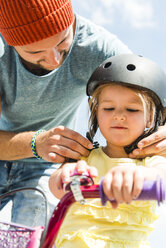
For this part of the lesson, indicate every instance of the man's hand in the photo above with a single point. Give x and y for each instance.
(155, 144)
(60, 143)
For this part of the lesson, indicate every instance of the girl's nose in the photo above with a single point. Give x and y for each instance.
(119, 115)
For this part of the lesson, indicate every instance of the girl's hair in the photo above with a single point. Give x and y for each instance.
(146, 96)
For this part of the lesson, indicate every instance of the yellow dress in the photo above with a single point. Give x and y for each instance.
(95, 226)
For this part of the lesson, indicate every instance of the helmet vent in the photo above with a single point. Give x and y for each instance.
(131, 67)
(107, 65)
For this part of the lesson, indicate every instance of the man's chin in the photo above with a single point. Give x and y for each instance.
(49, 67)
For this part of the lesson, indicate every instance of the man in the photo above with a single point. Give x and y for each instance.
(46, 57)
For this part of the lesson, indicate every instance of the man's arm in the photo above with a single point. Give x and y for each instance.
(53, 145)
(15, 146)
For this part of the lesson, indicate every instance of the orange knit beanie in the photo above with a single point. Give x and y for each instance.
(26, 21)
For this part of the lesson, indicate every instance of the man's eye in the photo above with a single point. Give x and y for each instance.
(132, 110)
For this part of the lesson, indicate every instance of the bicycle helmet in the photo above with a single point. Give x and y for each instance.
(138, 72)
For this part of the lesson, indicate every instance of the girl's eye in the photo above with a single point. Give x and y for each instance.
(108, 109)
(132, 110)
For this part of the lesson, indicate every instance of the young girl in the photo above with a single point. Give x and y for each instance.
(126, 102)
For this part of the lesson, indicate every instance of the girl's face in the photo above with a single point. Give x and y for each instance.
(120, 115)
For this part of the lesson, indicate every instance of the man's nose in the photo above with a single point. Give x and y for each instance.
(53, 57)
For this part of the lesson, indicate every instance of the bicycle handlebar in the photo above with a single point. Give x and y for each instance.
(152, 190)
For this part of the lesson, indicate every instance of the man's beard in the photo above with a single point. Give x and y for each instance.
(38, 68)
(64, 54)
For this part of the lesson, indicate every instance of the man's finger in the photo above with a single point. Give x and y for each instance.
(70, 150)
(158, 148)
(70, 134)
(55, 158)
(153, 138)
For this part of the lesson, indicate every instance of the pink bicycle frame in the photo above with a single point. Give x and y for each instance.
(61, 210)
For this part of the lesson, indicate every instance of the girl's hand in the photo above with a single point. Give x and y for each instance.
(63, 175)
(125, 183)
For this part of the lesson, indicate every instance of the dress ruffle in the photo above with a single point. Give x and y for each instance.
(136, 213)
(125, 227)
(91, 240)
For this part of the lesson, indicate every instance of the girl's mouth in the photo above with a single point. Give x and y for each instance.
(117, 127)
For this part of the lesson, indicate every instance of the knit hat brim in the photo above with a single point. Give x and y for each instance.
(51, 23)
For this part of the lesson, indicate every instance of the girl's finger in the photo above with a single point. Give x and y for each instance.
(93, 171)
(107, 186)
(55, 182)
(117, 183)
(67, 170)
(137, 183)
(127, 187)
(82, 167)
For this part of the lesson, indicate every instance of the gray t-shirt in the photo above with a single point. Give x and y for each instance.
(31, 102)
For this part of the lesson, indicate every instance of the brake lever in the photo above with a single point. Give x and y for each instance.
(78, 180)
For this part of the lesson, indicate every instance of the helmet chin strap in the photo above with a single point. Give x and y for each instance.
(128, 149)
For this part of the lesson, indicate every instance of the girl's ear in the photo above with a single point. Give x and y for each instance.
(96, 111)
(149, 121)
(148, 124)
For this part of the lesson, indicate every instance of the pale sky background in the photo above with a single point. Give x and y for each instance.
(141, 25)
